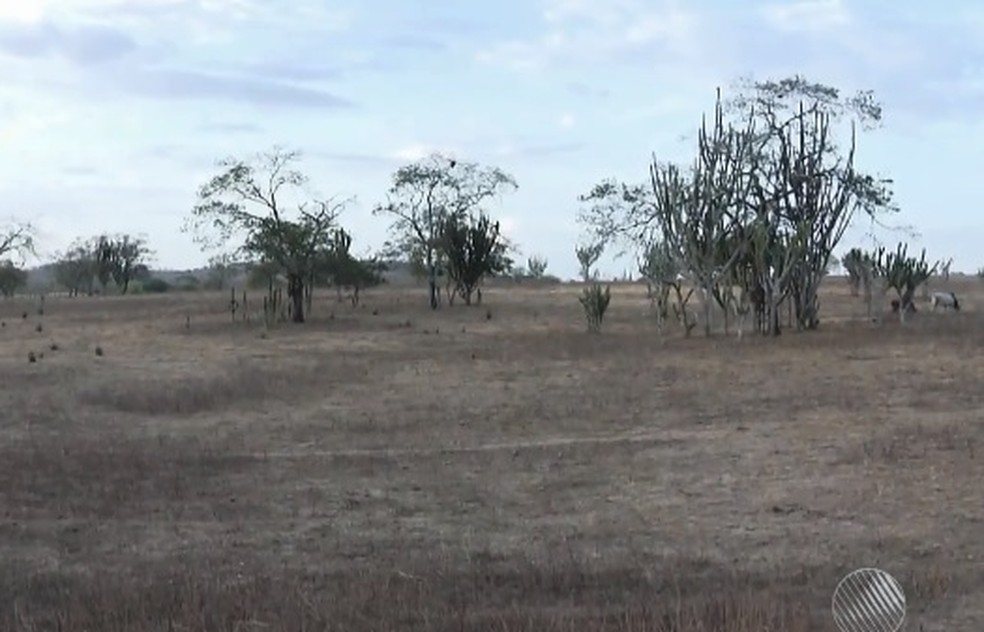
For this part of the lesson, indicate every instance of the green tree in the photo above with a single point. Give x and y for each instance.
(12, 278)
(122, 258)
(473, 248)
(75, 270)
(245, 199)
(423, 194)
(343, 270)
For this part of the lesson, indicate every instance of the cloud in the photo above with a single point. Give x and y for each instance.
(292, 70)
(484, 148)
(807, 15)
(191, 84)
(299, 67)
(226, 127)
(511, 149)
(23, 124)
(600, 32)
(585, 90)
(918, 61)
(417, 151)
(567, 120)
(549, 149)
(412, 42)
(82, 45)
(12, 11)
(357, 158)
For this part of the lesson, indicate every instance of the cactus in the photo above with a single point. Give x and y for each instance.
(273, 307)
(903, 273)
(233, 304)
(587, 257)
(595, 303)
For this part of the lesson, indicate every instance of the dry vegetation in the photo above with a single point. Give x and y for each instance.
(474, 473)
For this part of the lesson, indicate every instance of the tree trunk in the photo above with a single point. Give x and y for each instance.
(309, 293)
(432, 280)
(905, 303)
(295, 290)
(707, 310)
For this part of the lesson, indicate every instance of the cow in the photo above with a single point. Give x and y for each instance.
(947, 300)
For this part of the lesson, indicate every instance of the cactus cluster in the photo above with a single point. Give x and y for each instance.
(902, 273)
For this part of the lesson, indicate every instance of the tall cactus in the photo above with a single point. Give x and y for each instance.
(699, 212)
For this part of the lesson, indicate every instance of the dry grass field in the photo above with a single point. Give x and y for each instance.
(484, 468)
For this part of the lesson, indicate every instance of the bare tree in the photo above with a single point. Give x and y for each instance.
(17, 239)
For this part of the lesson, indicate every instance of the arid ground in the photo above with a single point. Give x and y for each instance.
(490, 467)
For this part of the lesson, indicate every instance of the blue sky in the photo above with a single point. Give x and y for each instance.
(113, 112)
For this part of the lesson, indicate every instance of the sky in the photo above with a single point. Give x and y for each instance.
(114, 112)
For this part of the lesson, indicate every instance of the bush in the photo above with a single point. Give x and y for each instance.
(155, 286)
(595, 303)
(187, 283)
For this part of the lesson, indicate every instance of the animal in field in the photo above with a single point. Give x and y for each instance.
(946, 300)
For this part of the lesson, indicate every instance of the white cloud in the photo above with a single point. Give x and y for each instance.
(417, 151)
(21, 11)
(807, 15)
(567, 120)
(578, 30)
(505, 149)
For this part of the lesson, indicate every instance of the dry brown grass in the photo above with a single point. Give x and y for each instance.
(475, 473)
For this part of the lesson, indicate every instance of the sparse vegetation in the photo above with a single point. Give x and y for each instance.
(763, 206)
(392, 468)
(144, 466)
(595, 302)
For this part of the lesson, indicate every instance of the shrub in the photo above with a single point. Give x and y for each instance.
(156, 286)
